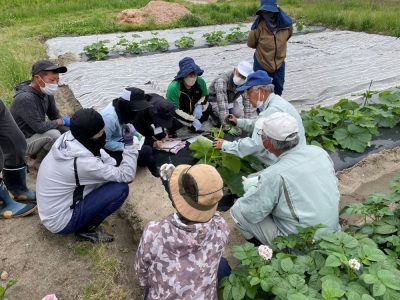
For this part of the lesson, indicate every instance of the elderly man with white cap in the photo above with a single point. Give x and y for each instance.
(223, 96)
(299, 190)
(259, 91)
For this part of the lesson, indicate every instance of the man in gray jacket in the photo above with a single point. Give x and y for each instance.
(33, 101)
(78, 184)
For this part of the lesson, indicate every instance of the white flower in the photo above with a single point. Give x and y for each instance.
(265, 252)
(354, 264)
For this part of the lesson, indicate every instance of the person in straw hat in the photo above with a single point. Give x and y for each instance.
(299, 190)
(180, 257)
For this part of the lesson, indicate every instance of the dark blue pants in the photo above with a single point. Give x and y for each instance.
(224, 270)
(278, 77)
(97, 206)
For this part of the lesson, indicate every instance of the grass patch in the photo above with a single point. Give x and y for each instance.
(105, 269)
(24, 24)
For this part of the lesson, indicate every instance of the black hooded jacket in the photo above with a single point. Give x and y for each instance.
(30, 108)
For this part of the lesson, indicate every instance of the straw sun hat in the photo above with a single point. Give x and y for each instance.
(195, 191)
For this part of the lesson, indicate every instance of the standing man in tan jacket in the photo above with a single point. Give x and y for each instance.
(269, 35)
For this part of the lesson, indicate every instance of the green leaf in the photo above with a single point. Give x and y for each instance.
(227, 294)
(331, 289)
(332, 261)
(231, 162)
(345, 104)
(353, 137)
(385, 229)
(389, 279)
(287, 264)
(367, 297)
(238, 292)
(251, 292)
(296, 280)
(352, 295)
(330, 116)
(312, 128)
(329, 144)
(378, 289)
(298, 296)
(369, 278)
(232, 180)
(202, 148)
(356, 287)
(254, 281)
(266, 285)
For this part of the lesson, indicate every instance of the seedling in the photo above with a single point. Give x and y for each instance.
(215, 38)
(154, 44)
(236, 35)
(184, 42)
(3, 289)
(97, 50)
(121, 44)
(133, 48)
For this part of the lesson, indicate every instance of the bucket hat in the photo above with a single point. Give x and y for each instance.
(195, 191)
(268, 5)
(187, 66)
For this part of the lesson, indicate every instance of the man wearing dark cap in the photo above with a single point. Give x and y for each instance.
(188, 92)
(149, 113)
(33, 101)
(78, 184)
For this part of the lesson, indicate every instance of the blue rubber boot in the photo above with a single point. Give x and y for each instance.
(15, 180)
(10, 208)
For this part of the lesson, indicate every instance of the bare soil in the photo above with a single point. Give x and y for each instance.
(158, 11)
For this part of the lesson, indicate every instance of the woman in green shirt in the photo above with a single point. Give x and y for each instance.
(188, 92)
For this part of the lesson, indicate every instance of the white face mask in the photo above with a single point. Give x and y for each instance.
(259, 103)
(49, 88)
(238, 80)
(190, 81)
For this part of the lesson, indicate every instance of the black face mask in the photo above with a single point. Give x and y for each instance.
(94, 145)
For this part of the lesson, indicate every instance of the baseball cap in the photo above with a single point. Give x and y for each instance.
(46, 65)
(136, 98)
(245, 68)
(257, 78)
(279, 126)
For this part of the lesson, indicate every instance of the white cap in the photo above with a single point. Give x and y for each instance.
(245, 68)
(279, 126)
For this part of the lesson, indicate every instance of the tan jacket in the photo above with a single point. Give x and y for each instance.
(270, 49)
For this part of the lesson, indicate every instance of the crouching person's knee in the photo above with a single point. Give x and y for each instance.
(52, 135)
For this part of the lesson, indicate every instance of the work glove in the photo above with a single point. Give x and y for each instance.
(196, 124)
(128, 131)
(65, 121)
(166, 171)
(249, 182)
(198, 111)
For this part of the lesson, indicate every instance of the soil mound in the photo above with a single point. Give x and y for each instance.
(159, 11)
